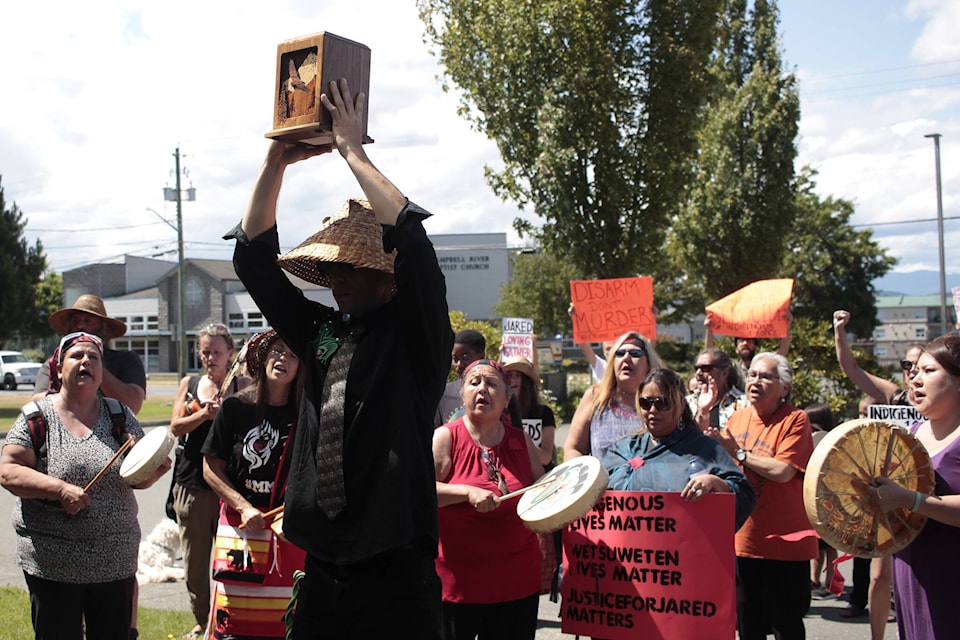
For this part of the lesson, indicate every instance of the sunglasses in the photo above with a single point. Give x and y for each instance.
(493, 471)
(278, 354)
(662, 404)
(341, 269)
(707, 368)
(908, 365)
(634, 353)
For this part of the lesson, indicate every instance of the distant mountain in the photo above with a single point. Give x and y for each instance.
(915, 283)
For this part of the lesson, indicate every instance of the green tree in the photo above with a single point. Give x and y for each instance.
(539, 289)
(593, 107)
(833, 264)
(734, 228)
(21, 268)
(48, 298)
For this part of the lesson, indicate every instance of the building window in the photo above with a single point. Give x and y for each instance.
(920, 334)
(880, 352)
(136, 323)
(194, 293)
(148, 350)
(236, 321)
(879, 334)
(255, 320)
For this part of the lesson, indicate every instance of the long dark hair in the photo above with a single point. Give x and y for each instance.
(675, 390)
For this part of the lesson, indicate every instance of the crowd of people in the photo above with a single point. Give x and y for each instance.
(341, 488)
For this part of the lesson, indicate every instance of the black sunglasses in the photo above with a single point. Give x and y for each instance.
(326, 269)
(908, 365)
(708, 367)
(634, 353)
(662, 404)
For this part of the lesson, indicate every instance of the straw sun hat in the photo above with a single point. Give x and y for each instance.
(59, 321)
(351, 236)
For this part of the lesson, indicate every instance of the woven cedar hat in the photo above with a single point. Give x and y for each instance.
(257, 348)
(59, 321)
(351, 236)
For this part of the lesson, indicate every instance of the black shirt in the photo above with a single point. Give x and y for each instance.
(251, 447)
(393, 386)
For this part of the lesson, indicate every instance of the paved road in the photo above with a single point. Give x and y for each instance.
(823, 621)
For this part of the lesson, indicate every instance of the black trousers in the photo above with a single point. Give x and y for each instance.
(393, 595)
(861, 582)
(60, 610)
(772, 594)
(512, 620)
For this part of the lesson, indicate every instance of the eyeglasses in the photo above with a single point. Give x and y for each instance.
(466, 358)
(282, 353)
(762, 377)
(493, 471)
(908, 365)
(339, 268)
(634, 353)
(662, 404)
(707, 368)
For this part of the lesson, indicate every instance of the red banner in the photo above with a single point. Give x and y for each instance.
(651, 565)
(606, 309)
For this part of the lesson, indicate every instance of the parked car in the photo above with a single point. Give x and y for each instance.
(16, 369)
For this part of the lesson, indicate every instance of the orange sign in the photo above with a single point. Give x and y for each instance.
(606, 309)
(651, 565)
(758, 310)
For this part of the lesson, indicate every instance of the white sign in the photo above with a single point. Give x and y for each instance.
(903, 415)
(517, 341)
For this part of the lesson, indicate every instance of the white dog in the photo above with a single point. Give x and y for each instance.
(158, 552)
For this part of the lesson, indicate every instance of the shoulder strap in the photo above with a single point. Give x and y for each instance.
(37, 426)
(192, 385)
(118, 417)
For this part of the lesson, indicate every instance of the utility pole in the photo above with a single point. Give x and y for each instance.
(176, 195)
(943, 269)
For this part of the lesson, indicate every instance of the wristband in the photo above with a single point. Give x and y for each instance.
(917, 501)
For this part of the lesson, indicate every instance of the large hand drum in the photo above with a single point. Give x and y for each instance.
(569, 491)
(841, 468)
(147, 456)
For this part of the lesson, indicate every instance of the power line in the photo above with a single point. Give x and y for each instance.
(61, 230)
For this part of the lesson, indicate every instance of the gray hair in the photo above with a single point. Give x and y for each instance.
(784, 370)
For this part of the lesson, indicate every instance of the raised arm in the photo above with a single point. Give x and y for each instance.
(877, 388)
(347, 114)
(261, 213)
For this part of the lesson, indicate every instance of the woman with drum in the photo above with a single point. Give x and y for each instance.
(925, 572)
(607, 411)
(195, 504)
(75, 517)
(675, 455)
(246, 465)
(488, 562)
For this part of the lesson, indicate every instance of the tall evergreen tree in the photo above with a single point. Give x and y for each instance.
(21, 268)
(593, 107)
(735, 226)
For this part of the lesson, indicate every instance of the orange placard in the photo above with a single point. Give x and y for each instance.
(651, 565)
(758, 310)
(606, 309)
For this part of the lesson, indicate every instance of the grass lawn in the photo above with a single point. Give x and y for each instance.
(159, 409)
(153, 624)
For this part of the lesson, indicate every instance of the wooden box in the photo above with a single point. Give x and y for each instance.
(305, 68)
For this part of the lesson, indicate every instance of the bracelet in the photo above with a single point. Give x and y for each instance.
(917, 501)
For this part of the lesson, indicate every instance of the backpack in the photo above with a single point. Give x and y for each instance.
(38, 425)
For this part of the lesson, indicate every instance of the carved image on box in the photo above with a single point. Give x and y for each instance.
(305, 68)
(298, 86)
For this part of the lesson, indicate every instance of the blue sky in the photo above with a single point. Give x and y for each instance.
(96, 102)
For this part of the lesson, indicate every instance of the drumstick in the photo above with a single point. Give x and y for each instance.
(268, 514)
(126, 445)
(234, 370)
(520, 492)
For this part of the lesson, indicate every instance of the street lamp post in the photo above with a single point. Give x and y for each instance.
(943, 270)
